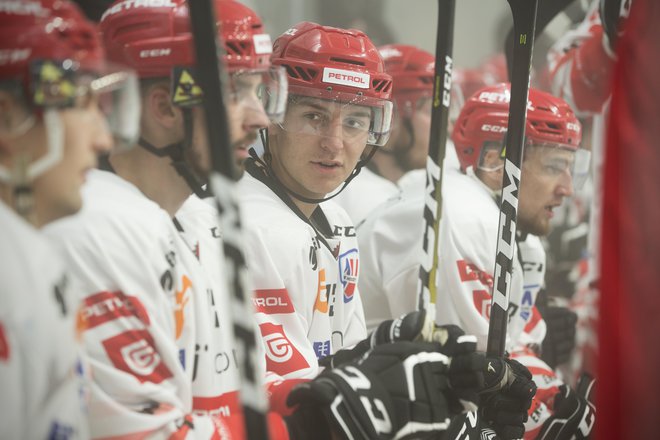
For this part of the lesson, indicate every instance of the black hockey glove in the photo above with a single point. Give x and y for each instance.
(470, 426)
(507, 397)
(395, 392)
(559, 340)
(466, 368)
(613, 14)
(574, 413)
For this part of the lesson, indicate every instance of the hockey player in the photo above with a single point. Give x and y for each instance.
(303, 258)
(52, 79)
(154, 320)
(468, 233)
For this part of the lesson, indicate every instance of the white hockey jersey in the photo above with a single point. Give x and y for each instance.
(364, 193)
(197, 222)
(41, 375)
(391, 243)
(307, 301)
(153, 328)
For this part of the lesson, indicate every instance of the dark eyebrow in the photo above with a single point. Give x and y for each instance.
(312, 102)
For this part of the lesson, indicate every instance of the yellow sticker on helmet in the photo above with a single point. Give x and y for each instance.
(186, 90)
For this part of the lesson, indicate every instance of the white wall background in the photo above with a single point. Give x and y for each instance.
(479, 29)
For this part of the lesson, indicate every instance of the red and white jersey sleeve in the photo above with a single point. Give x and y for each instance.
(151, 326)
(305, 286)
(41, 374)
(580, 66)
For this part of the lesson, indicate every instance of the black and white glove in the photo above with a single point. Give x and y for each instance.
(396, 391)
(559, 341)
(613, 14)
(466, 367)
(507, 397)
(574, 412)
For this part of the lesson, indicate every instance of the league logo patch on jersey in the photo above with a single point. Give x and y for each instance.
(348, 273)
(4, 344)
(134, 352)
(281, 355)
(322, 349)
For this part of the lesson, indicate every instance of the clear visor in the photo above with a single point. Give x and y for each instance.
(266, 89)
(349, 117)
(263, 90)
(114, 89)
(561, 159)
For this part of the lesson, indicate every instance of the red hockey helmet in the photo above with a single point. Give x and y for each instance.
(485, 115)
(55, 58)
(45, 30)
(412, 70)
(155, 39)
(338, 65)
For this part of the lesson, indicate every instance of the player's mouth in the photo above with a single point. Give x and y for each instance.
(550, 210)
(327, 164)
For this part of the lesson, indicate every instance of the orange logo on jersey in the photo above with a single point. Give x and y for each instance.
(321, 303)
(181, 300)
(82, 323)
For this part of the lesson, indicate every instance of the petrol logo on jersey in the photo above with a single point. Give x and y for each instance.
(4, 344)
(134, 352)
(281, 356)
(348, 273)
(271, 301)
(105, 306)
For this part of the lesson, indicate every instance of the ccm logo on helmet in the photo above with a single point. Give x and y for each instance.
(155, 53)
(493, 128)
(346, 78)
(128, 4)
(390, 52)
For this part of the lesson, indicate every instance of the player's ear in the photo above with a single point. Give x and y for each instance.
(158, 102)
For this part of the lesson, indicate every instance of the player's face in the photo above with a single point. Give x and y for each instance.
(86, 134)
(546, 180)
(318, 145)
(421, 125)
(409, 143)
(245, 115)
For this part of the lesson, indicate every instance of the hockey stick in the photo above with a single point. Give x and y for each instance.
(222, 184)
(428, 270)
(547, 11)
(524, 22)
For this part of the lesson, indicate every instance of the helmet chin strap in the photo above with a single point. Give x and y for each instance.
(176, 152)
(266, 164)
